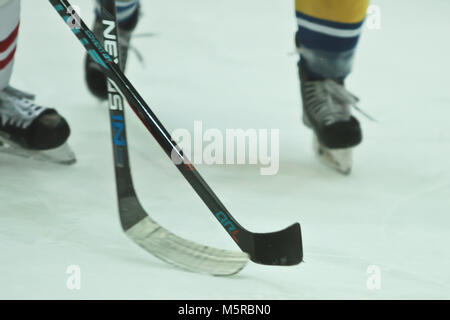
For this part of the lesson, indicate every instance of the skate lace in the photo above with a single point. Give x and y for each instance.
(17, 108)
(128, 45)
(330, 101)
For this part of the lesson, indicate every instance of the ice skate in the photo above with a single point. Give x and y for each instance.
(95, 78)
(327, 111)
(32, 131)
(338, 159)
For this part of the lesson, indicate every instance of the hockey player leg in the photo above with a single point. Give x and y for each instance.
(26, 128)
(326, 40)
(127, 16)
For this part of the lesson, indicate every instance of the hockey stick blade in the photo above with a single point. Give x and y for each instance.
(182, 253)
(271, 248)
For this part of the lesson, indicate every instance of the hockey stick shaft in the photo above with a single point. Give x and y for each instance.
(135, 221)
(116, 102)
(149, 119)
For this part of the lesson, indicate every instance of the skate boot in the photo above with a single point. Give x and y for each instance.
(95, 78)
(30, 130)
(327, 111)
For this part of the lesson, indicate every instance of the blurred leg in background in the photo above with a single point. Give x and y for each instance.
(327, 36)
(127, 16)
(23, 123)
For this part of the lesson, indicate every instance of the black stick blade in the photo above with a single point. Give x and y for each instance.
(283, 248)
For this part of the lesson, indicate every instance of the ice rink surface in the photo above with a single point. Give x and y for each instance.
(233, 65)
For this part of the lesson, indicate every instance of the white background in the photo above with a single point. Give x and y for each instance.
(231, 64)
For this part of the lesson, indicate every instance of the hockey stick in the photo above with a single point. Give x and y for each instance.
(135, 221)
(278, 248)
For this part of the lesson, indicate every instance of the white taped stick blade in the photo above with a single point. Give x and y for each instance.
(338, 159)
(183, 253)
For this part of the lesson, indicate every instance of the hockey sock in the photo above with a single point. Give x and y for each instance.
(327, 36)
(9, 27)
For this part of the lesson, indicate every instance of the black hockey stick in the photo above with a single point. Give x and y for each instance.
(134, 220)
(278, 248)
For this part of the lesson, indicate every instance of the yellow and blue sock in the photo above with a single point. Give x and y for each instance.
(327, 36)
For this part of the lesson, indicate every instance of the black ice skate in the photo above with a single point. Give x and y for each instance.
(327, 111)
(33, 131)
(95, 78)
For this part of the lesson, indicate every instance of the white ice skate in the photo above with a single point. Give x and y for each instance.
(32, 131)
(60, 155)
(327, 111)
(338, 159)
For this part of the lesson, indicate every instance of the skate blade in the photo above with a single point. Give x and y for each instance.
(338, 159)
(61, 155)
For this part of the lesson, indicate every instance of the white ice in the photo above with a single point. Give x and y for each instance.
(231, 64)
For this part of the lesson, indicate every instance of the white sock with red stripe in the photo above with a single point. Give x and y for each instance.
(9, 27)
